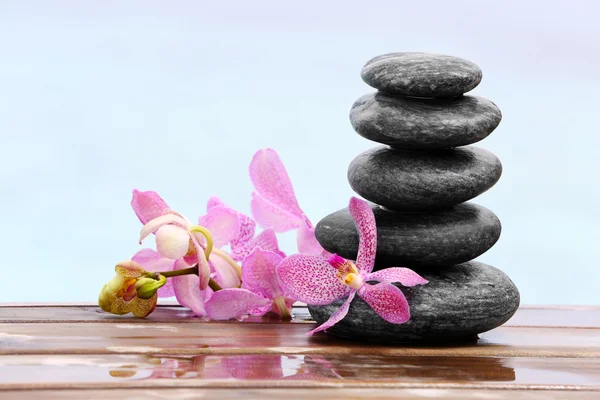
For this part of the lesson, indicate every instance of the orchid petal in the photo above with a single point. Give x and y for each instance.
(306, 239)
(311, 279)
(336, 317)
(172, 241)
(269, 215)
(259, 273)
(266, 240)
(223, 224)
(151, 261)
(167, 219)
(233, 303)
(262, 310)
(202, 262)
(214, 201)
(407, 277)
(147, 205)
(226, 277)
(247, 227)
(271, 181)
(364, 219)
(386, 300)
(129, 269)
(187, 290)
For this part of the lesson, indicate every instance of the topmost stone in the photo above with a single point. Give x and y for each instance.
(421, 74)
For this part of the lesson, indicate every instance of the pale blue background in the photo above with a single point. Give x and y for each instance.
(98, 98)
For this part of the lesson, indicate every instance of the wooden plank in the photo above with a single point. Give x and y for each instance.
(532, 316)
(90, 314)
(300, 394)
(294, 370)
(66, 351)
(204, 338)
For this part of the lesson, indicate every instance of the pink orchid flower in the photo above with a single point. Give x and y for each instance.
(175, 238)
(233, 301)
(245, 241)
(274, 203)
(226, 226)
(175, 235)
(259, 294)
(317, 280)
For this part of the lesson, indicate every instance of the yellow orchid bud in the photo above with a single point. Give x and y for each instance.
(143, 281)
(147, 289)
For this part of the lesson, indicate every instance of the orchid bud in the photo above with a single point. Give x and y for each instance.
(148, 287)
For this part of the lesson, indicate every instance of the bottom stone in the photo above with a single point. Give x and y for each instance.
(458, 303)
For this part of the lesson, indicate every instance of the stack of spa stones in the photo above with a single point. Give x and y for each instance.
(419, 182)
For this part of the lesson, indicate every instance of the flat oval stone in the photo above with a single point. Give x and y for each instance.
(457, 304)
(421, 74)
(409, 123)
(418, 180)
(432, 238)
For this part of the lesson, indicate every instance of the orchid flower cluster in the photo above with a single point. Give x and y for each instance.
(221, 268)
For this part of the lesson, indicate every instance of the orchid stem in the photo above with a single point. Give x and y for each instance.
(179, 272)
(214, 285)
(229, 260)
(190, 271)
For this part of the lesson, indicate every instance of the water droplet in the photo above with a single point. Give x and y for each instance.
(206, 318)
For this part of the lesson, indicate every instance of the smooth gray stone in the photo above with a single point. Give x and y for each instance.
(409, 123)
(421, 74)
(457, 304)
(420, 239)
(423, 180)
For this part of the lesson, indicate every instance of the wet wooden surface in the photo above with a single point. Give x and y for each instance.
(75, 351)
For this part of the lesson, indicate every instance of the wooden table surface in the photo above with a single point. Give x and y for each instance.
(77, 351)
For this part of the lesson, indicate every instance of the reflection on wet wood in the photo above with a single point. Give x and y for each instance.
(317, 370)
(249, 338)
(555, 351)
(302, 394)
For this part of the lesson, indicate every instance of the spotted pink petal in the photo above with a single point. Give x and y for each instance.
(233, 303)
(271, 181)
(187, 290)
(306, 239)
(259, 273)
(386, 300)
(151, 261)
(364, 219)
(226, 276)
(337, 316)
(271, 216)
(407, 277)
(266, 240)
(223, 224)
(167, 219)
(309, 278)
(246, 231)
(147, 205)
